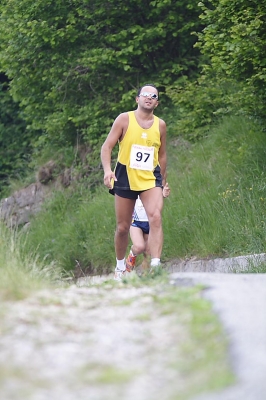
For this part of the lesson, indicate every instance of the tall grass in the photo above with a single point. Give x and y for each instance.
(76, 229)
(216, 206)
(22, 274)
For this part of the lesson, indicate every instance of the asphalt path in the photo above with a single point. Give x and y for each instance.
(240, 301)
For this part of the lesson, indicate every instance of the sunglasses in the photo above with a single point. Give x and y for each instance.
(151, 95)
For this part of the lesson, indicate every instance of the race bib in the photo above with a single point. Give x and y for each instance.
(141, 157)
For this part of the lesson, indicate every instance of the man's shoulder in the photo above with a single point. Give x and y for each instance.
(162, 122)
(123, 116)
(121, 122)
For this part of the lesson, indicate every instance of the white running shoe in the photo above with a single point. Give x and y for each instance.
(119, 274)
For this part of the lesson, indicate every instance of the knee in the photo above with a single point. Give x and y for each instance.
(122, 229)
(138, 249)
(155, 218)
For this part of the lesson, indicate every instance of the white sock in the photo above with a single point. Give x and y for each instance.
(155, 262)
(120, 264)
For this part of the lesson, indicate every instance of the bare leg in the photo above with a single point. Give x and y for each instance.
(146, 255)
(147, 250)
(152, 200)
(123, 210)
(138, 242)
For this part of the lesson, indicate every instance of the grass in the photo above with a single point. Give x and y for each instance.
(166, 333)
(204, 364)
(104, 375)
(216, 206)
(218, 201)
(198, 352)
(216, 209)
(22, 275)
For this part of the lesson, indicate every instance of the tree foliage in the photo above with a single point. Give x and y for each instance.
(202, 102)
(76, 64)
(234, 40)
(233, 72)
(15, 146)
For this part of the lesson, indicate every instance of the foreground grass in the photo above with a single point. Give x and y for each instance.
(171, 345)
(196, 348)
(202, 356)
(22, 275)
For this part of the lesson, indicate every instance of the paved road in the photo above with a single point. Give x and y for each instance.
(240, 301)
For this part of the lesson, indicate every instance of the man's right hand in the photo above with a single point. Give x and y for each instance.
(166, 190)
(109, 179)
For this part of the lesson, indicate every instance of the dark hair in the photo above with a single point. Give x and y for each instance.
(147, 84)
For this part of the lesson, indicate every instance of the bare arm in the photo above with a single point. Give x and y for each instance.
(162, 151)
(116, 133)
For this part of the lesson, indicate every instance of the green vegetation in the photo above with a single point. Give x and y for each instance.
(22, 275)
(15, 142)
(204, 346)
(79, 66)
(181, 344)
(216, 206)
(198, 351)
(81, 62)
(230, 29)
(67, 69)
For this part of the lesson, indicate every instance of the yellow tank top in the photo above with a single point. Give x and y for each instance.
(137, 165)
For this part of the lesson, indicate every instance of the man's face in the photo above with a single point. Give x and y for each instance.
(148, 98)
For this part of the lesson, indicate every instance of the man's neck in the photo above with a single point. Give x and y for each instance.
(144, 114)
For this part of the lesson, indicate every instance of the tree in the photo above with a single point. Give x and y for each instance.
(234, 40)
(15, 146)
(74, 65)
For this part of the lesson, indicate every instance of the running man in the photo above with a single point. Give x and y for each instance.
(140, 171)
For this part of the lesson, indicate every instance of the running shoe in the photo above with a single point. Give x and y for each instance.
(130, 262)
(119, 274)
